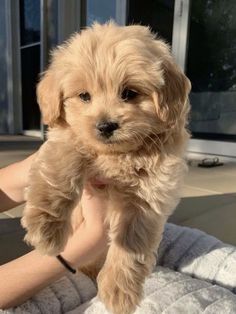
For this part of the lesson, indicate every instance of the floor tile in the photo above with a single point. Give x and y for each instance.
(188, 191)
(7, 158)
(191, 207)
(215, 183)
(220, 223)
(16, 212)
(3, 216)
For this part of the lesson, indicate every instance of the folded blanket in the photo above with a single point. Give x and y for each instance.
(184, 253)
(199, 255)
(171, 292)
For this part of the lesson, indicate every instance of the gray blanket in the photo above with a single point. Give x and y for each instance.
(195, 273)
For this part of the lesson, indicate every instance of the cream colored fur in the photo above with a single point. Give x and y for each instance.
(143, 160)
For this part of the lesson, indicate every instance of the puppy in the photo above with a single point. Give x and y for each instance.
(116, 104)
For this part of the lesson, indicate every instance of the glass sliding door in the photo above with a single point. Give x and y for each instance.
(102, 11)
(211, 67)
(30, 63)
(158, 14)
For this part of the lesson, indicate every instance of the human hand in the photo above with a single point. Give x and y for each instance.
(90, 237)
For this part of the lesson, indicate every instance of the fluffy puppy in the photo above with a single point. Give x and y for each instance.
(116, 104)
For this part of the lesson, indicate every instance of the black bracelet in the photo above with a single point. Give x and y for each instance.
(65, 264)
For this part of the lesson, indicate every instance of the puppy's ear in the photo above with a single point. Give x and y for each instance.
(49, 98)
(173, 105)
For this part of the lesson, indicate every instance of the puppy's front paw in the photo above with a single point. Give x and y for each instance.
(119, 293)
(45, 233)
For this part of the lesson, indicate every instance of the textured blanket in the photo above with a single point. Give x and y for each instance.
(195, 273)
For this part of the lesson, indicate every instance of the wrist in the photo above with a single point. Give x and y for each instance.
(71, 252)
(84, 246)
(65, 264)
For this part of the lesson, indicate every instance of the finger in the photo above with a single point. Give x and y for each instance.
(94, 205)
(77, 217)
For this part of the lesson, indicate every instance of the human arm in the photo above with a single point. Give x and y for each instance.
(13, 180)
(30, 273)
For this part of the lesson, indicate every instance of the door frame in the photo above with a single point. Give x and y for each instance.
(15, 118)
(197, 147)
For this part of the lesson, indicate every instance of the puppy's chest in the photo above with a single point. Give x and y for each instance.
(120, 168)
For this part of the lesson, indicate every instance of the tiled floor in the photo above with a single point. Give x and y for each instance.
(209, 195)
(209, 201)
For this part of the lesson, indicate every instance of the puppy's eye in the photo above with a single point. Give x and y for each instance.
(85, 97)
(128, 94)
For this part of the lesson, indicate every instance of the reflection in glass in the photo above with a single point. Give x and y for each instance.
(30, 70)
(211, 67)
(4, 124)
(29, 21)
(212, 46)
(158, 14)
(100, 11)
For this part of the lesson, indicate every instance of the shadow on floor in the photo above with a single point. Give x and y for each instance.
(11, 240)
(214, 214)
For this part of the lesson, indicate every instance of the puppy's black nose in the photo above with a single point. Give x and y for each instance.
(107, 128)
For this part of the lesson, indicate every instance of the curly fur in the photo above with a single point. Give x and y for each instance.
(143, 159)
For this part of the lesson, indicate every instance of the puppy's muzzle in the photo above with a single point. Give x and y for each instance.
(106, 128)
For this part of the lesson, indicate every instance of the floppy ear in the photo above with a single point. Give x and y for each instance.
(49, 98)
(173, 105)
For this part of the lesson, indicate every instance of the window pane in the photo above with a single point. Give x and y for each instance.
(29, 21)
(100, 11)
(211, 66)
(212, 45)
(158, 14)
(30, 67)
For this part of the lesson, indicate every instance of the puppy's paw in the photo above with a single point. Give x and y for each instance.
(46, 233)
(119, 293)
